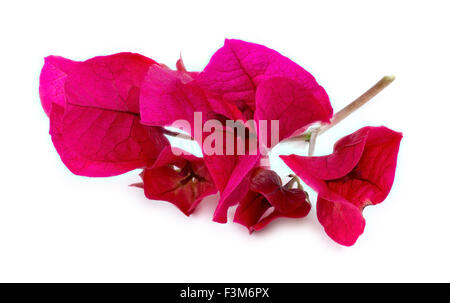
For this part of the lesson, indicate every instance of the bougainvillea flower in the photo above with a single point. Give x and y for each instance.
(107, 116)
(358, 173)
(242, 81)
(237, 69)
(168, 96)
(181, 179)
(267, 191)
(94, 114)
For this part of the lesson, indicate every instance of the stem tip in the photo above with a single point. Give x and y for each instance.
(388, 78)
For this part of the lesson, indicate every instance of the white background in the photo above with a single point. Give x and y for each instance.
(55, 226)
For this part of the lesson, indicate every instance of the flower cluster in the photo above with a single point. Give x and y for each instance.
(108, 116)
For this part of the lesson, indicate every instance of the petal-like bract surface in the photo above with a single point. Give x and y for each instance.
(342, 221)
(267, 191)
(108, 82)
(100, 143)
(292, 104)
(235, 71)
(52, 80)
(360, 172)
(168, 96)
(182, 180)
(94, 114)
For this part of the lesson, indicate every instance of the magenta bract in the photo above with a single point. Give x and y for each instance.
(94, 114)
(238, 68)
(360, 172)
(292, 104)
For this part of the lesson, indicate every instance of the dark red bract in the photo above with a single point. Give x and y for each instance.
(180, 179)
(267, 191)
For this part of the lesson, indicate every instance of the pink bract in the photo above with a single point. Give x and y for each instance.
(237, 69)
(292, 104)
(94, 114)
(360, 172)
(342, 221)
(168, 96)
(52, 80)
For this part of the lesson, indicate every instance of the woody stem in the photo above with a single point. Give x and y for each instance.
(360, 101)
(346, 111)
